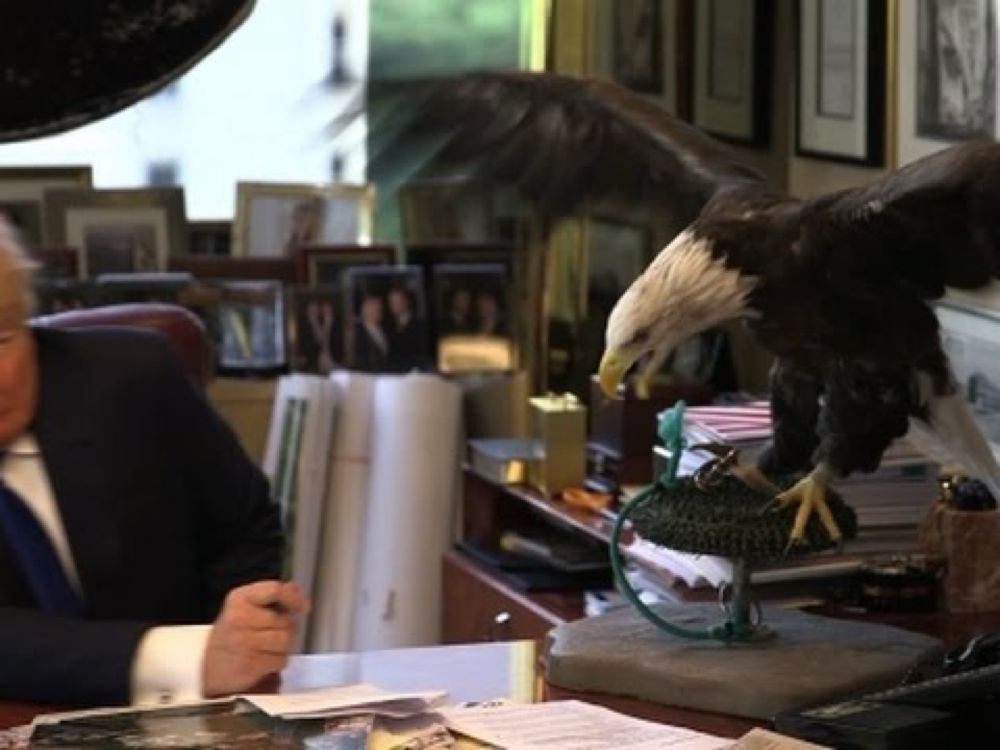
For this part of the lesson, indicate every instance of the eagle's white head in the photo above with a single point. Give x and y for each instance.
(683, 291)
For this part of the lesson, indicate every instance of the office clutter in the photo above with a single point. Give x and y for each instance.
(889, 503)
(365, 470)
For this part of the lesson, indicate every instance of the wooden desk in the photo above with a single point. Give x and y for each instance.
(952, 629)
(469, 672)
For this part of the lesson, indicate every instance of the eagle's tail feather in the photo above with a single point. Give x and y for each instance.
(951, 422)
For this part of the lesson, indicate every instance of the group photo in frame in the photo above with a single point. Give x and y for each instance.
(274, 218)
(841, 77)
(947, 58)
(118, 231)
(388, 329)
(732, 69)
(473, 330)
(22, 196)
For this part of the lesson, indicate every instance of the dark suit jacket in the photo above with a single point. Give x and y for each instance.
(366, 355)
(163, 510)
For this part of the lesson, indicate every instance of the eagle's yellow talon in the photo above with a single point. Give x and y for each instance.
(810, 494)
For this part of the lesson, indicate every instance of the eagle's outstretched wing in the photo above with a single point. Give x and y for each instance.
(569, 142)
(932, 224)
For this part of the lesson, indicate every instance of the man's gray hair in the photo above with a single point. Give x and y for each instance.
(12, 247)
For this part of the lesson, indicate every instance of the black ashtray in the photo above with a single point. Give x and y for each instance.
(900, 584)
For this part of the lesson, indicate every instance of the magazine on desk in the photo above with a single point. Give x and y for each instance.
(217, 725)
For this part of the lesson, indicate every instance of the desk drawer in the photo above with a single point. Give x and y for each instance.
(478, 607)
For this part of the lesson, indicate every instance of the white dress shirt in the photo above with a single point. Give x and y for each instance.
(167, 664)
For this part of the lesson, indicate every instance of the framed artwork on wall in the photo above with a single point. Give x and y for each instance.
(840, 111)
(22, 196)
(273, 218)
(118, 231)
(647, 47)
(732, 69)
(637, 52)
(947, 82)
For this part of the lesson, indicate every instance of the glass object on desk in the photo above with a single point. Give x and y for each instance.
(251, 317)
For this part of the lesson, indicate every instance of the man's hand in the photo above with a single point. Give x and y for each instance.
(252, 636)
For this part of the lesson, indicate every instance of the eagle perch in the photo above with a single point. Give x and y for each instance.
(837, 287)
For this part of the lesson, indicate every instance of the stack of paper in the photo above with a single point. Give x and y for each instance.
(570, 725)
(345, 700)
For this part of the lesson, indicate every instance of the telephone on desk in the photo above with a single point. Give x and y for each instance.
(960, 707)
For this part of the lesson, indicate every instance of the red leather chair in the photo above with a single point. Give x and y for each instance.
(181, 327)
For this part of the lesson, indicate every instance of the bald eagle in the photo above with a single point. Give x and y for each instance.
(838, 287)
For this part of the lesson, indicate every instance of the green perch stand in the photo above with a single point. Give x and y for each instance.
(729, 519)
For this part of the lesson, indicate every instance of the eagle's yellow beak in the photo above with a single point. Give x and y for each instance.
(611, 372)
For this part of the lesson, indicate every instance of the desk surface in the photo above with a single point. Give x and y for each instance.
(469, 672)
(488, 670)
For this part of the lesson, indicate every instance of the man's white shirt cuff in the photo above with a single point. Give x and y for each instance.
(168, 664)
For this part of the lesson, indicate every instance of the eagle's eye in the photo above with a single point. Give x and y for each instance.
(639, 338)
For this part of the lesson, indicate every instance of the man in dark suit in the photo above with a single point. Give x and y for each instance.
(164, 531)
(370, 344)
(407, 336)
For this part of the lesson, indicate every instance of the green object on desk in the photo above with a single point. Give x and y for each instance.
(729, 519)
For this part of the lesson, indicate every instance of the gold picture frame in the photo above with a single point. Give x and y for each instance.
(22, 196)
(275, 218)
(118, 230)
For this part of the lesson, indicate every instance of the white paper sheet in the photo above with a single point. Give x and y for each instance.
(415, 460)
(335, 593)
(570, 725)
(357, 698)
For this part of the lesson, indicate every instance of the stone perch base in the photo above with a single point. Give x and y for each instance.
(811, 660)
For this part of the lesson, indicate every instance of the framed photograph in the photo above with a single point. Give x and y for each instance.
(316, 328)
(326, 264)
(273, 218)
(118, 231)
(22, 196)
(841, 80)
(251, 324)
(212, 238)
(437, 210)
(972, 341)
(947, 58)
(251, 269)
(654, 60)
(732, 81)
(472, 318)
(388, 320)
(638, 45)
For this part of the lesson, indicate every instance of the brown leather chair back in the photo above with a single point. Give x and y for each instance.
(181, 327)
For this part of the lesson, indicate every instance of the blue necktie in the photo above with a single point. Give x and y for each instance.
(36, 554)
